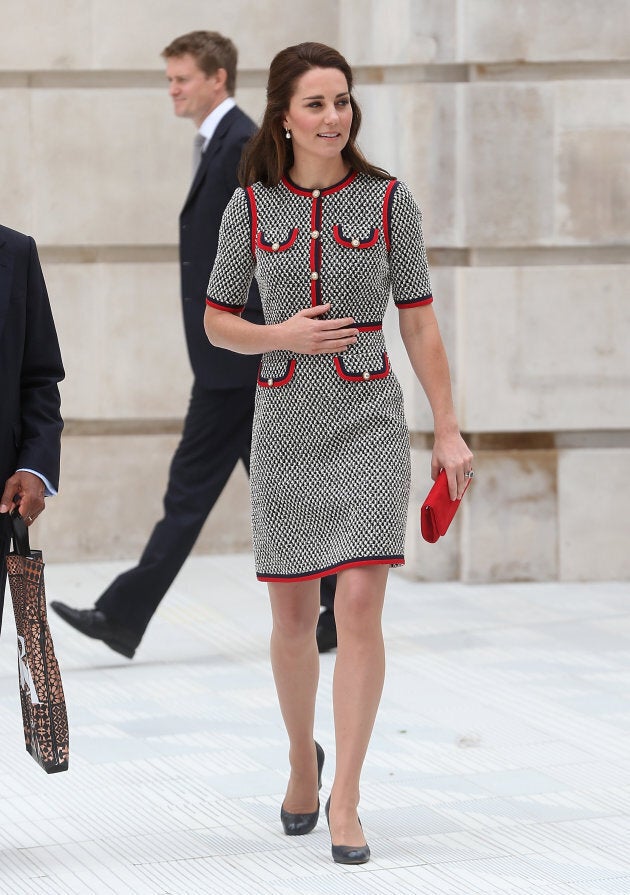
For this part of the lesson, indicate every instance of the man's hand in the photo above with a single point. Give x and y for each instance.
(25, 490)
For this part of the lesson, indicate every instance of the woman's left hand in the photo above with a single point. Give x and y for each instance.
(451, 453)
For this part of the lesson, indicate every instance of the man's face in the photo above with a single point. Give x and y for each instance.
(194, 93)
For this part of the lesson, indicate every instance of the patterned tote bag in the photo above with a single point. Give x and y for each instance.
(41, 691)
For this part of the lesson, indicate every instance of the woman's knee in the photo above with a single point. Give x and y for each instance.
(295, 610)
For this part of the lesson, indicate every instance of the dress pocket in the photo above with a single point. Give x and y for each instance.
(355, 242)
(273, 244)
(362, 369)
(276, 369)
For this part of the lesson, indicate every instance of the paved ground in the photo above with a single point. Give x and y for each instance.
(500, 762)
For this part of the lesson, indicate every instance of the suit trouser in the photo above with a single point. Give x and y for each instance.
(217, 433)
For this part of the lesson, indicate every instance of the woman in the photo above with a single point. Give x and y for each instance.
(327, 235)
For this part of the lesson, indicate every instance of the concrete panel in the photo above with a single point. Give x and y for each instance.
(544, 348)
(593, 162)
(16, 160)
(122, 340)
(259, 30)
(399, 32)
(510, 518)
(55, 35)
(536, 31)
(594, 494)
(507, 160)
(111, 497)
(410, 130)
(111, 166)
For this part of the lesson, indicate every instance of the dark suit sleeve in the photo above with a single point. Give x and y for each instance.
(41, 371)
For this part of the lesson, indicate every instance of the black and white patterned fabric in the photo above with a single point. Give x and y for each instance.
(330, 463)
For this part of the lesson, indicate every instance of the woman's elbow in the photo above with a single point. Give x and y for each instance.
(210, 320)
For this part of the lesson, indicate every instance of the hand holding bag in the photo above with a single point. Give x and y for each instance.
(438, 509)
(41, 691)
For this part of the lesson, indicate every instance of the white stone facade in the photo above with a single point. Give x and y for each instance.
(510, 121)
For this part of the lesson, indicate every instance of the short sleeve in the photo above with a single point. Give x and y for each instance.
(409, 270)
(234, 265)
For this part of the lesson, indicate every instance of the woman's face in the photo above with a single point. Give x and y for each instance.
(319, 114)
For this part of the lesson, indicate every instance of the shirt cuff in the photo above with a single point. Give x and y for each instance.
(50, 491)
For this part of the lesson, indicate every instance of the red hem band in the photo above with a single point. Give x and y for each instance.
(229, 308)
(353, 563)
(414, 304)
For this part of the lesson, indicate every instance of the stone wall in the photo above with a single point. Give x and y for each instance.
(510, 121)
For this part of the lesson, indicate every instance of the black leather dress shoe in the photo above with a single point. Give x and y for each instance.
(301, 824)
(326, 633)
(94, 623)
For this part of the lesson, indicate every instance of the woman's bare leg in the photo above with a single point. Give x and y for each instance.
(357, 688)
(295, 663)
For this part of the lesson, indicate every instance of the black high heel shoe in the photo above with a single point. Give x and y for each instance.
(348, 854)
(301, 824)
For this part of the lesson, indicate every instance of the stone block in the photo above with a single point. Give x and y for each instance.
(122, 340)
(400, 32)
(593, 162)
(16, 160)
(507, 164)
(593, 499)
(259, 30)
(54, 35)
(543, 348)
(510, 518)
(535, 31)
(111, 496)
(410, 130)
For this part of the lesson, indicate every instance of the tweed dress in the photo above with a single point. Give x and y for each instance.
(330, 460)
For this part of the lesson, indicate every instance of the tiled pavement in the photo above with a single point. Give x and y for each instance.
(500, 761)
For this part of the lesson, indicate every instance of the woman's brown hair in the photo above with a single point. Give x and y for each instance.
(269, 155)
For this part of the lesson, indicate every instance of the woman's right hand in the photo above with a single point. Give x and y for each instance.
(306, 334)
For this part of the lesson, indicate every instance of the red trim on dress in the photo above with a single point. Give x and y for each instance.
(361, 377)
(327, 192)
(351, 564)
(231, 309)
(368, 327)
(388, 191)
(270, 382)
(313, 252)
(254, 215)
(361, 244)
(279, 246)
(414, 304)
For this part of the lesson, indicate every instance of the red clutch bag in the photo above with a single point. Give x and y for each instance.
(438, 509)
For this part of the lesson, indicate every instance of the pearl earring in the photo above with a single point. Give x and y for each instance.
(288, 134)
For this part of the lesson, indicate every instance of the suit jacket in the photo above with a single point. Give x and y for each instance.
(199, 222)
(30, 364)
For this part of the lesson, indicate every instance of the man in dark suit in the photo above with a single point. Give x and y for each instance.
(30, 370)
(201, 71)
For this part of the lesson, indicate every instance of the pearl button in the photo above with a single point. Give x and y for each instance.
(270, 382)
(275, 246)
(314, 275)
(366, 375)
(355, 242)
(314, 234)
(316, 194)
